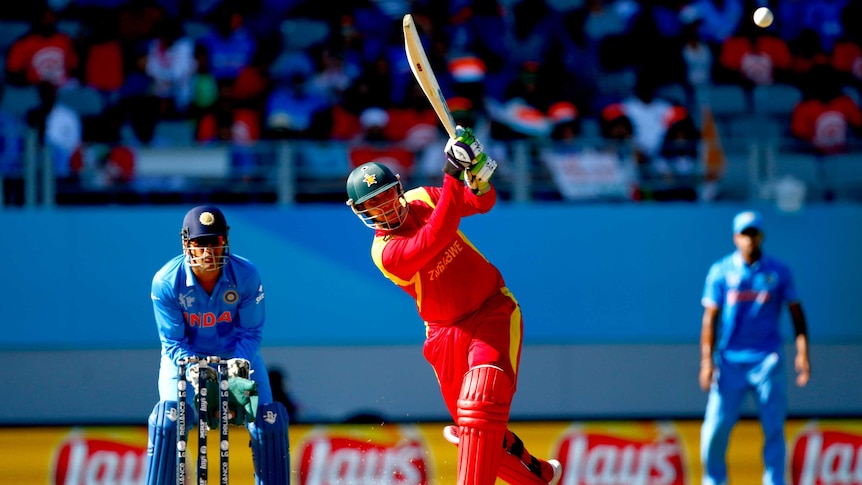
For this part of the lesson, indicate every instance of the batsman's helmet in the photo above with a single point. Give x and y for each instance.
(368, 181)
(206, 225)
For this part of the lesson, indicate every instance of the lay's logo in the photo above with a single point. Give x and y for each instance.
(827, 457)
(81, 460)
(599, 458)
(336, 459)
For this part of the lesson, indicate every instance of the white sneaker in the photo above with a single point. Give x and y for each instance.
(558, 471)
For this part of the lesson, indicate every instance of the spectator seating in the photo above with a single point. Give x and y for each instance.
(590, 129)
(854, 94)
(86, 101)
(843, 174)
(18, 100)
(70, 27)
(805, 167)
(739, 178)
(195, 29)
(675, 93)
(10, 31)
(178, 133)
(755, 127)
(301, 33)
(727, 100)
(775, 99)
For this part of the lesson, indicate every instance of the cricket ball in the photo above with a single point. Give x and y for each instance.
(763, 17)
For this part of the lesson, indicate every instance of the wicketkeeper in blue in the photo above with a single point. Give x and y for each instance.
(741, 349)
(210, 302)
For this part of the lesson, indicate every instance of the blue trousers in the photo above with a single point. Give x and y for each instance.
(767, 380)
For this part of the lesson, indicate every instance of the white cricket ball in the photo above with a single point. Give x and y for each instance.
(763, 17)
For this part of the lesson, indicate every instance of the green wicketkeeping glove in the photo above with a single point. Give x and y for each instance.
(242, 399)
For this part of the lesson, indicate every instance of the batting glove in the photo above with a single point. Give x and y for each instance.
(478, 178)
(463, 149)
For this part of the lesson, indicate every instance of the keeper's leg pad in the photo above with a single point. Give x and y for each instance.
(162, 444)
(483, 413)
(270, 447)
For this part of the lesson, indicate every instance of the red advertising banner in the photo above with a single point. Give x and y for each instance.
(827, 452)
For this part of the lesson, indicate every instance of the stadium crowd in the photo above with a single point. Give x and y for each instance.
(122, 73)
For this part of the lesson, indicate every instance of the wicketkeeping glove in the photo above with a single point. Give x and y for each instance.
(192, 375)
(237, 367)
(242, 399)
(479, 176)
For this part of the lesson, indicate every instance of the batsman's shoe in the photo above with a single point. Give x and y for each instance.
(558, 471)
(551, 470)
(450, 433)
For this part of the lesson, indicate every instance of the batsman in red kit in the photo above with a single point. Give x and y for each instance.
(473, 322)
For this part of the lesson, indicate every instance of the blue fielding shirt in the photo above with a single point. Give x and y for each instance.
(750, 299)
(228, 323)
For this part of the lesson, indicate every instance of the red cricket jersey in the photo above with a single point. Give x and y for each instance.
(432, 260)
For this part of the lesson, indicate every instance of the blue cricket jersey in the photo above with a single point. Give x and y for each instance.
(750, 299)
(228, 323)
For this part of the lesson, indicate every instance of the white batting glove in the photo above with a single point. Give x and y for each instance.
(463, 149)
(478, 178)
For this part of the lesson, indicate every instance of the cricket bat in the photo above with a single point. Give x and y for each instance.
(425, 75)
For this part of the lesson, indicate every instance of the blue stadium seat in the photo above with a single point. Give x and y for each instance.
(756, 127)
(675, 93)
(195, 30)
(301, 33)
(776, 99)
(590, 128)
(737, 182)
(726, 99)
(175, 133)
(18, 100)
(854, 94)
(10, 31)
(802, 166)
(86, 101)
(70, 27)
(843, 173)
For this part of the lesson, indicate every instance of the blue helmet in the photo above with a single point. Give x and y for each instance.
(206, 227)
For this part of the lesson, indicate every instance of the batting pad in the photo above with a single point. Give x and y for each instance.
(530, 471)
(162, 444)
(483, 414)
(270, 447)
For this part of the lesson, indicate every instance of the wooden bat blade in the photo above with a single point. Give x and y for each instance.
(425, 75)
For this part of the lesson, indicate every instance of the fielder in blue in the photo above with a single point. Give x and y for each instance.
(209, 302)
(741, 349)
